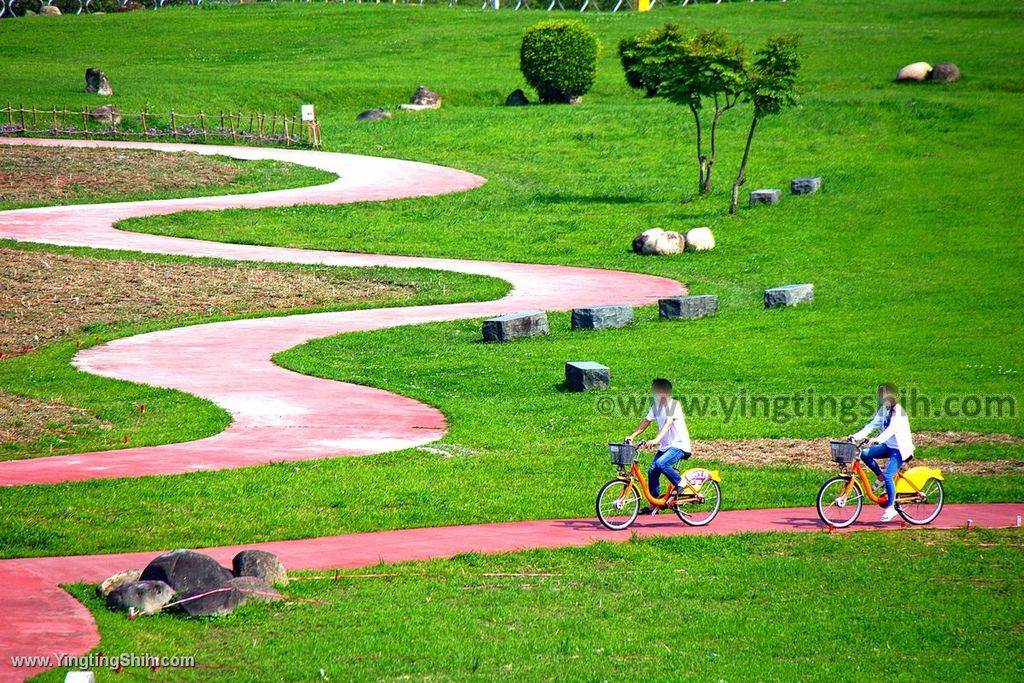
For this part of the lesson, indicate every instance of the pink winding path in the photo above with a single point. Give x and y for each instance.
(280, 415)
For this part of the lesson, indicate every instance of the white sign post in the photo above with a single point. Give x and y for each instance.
(308, 113)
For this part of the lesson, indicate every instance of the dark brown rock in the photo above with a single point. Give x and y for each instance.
(425, 98)
(106, 114)
(516, 98)
(187, 571)
(96, 81)
(944, 72)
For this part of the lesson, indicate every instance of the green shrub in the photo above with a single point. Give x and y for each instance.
(646, 57)
(559, 59)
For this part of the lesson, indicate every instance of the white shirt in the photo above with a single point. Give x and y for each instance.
(677, 436)
(896, 435)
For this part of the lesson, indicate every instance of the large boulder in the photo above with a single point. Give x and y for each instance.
(106, 114)
(187, 571)
(944, 72)
(142, 596)
(918, 71)
(49, 9)
(658, 242)
(96, 81)
(212, 602)
(115, 580)
(699, 239)
(378, 114)
(260, 564)
(516, 98)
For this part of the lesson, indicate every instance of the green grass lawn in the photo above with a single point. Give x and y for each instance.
(913, 244)
(936, 606)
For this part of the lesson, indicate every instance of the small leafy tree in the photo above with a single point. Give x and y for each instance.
(559, 59)
(771, 88)
(645, 57)
(708, 67)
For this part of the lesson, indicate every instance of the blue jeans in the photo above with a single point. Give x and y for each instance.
(871, 455)
(662, 464)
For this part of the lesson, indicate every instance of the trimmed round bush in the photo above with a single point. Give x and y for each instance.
(647, 57)
(559, 59)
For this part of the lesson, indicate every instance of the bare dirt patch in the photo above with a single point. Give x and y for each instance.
(24, 420)
(813, 453)
(45, 296)
(33, 175)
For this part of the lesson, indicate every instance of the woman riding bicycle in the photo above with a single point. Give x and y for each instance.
(893, 441)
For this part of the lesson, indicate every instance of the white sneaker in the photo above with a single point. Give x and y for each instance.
(889, 514)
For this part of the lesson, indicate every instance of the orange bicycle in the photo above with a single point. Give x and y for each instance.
(919, 494)
(695, 502)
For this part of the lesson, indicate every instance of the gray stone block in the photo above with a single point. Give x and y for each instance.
(601, 317)
(805, 185)
(765, 197)
(788, 295)
(515, 325)
(688, 307)
(584, 375)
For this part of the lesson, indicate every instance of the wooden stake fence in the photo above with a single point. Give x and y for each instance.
(62, 121)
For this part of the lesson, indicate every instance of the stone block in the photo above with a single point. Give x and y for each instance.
(788, 295)
(805, 185)
(515, 325)
(765, 197)
(601, 317)
(688, 307)
(584, 375)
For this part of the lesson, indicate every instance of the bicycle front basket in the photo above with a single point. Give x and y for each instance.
(622, 453)
(843, 451)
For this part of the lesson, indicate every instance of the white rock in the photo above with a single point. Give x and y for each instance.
(699, 239)
(659, 242)
(918, 71)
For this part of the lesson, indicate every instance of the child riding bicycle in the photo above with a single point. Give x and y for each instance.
(672, 443)
(893, 442)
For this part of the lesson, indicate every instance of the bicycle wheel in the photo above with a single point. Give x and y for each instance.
(834, 508)
(925, 506)
(618, 504)
(700, 514)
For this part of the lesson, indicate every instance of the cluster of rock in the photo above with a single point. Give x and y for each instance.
(774, 196)
(587, 375)
(196, 583)
(422, 99)
(942, 72)
(659, 242)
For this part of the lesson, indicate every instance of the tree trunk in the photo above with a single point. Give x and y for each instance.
(741, 177)
(701, 159)
(709, 165)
